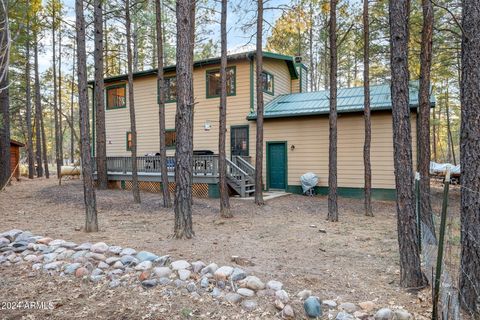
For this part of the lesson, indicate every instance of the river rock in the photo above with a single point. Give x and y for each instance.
(81, 272)
(282, 295)
(128, 252)
(146, 256)
(348, 307)
(233, 297)
(367, 306)
(103, 265)
(191, 287)
(197, 266)
(95, 256)
(31, 258)
(56, 242)
(249, 305)
(11, 234)
(180, 264)
(145, 265)
(114, 283)
(288, 313)
(96, 272)
(164, 281)
(402, 315)
(128, 260)
(162, 272)
(49, 257)
(162, 261)
(45, 240)
(83, 246)
(69, 245)
(223, 273)
(384, 314)
(211, 268)
(312, 307)
(71, 268)
(304, 294)
(184, 274)
(342, 315)
(111, 260)
(149, 283)
(115, 249)
(204, 282)
(253, 283)
(329, 303)
(216, 292)
(274, 285)
(118, 265)
(246, 292)
(53, 265)
(99, 247)
(238, 274)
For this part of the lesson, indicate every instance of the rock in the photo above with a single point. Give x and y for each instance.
(216, 292)
(348, 306)
(118, 265)
(144, 275)
(19, 249)
(288, 313)
(221, 284)
(163, 260)
(149, 283)
(99, 247)
(96, 272)
(103, 265)
(204, 283)
(65, 254)
(128, 260)
(53, 265)
(279, 304)
(402, 315)
(31, 258)
(45, 240)
(96, 278)
(56, 243)
(83, 246)
(223, 273)
(164, 281)
(180, 264)
(367, 306)
(146, 256)
(115, 249)
(312, 307)
(361, 315)
(162, 272)
(266, 293)
(145, 265)
(79, 254)
(191, 287)
(233, 297)
(36, 266)
(249, 305)
(329, 303)
(179, 283)
(211, 268)
(114, 283)
(384, 314)
(198, 266)
(342, 315)
(274, 285)
(253, 283)
(112, 260)
(195, 296)
(238, 274)
(81, 272)
(49, 257)
(71, 268)
(246, 292)
(184, 274)
(282, 295)
(11, 234)
(69, 245)
(115, 272)
(128, 252)
(95, 256)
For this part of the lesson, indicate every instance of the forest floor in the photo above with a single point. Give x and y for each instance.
(288, 239)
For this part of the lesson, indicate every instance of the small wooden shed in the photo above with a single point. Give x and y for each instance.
(15, 158)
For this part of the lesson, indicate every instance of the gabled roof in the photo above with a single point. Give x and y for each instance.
(211, 61)
(348, 100)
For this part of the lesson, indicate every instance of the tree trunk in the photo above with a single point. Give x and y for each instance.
(410, 271)
(38, 111)
(434, 136)
(423, 124)
(72, 121)
(101, 145)
(185, 11)
(131, 105)
(60, 113)
(28, 102)
(470, 160)
(332, 150)
(58, 160)
(222, 133)
(4, 98)
(91, 222)
(259, 141)
(44, 146)
(366, 112)
(449, 127)
(167, 202)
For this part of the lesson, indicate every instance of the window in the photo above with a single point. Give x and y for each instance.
(213, 82)
(116, 97)
(267, 82)
(129, 141)
(170, 138)
(170, 89)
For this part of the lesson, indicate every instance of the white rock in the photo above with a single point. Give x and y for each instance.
(223, 273)
(115, 249)
(162, 272)
(282, 295)
(329, 303)
(118, 265)
(348, 306)
(198, 266)
(180, 264)
(211, 268)
(145, 265)
(402, 315)
(304, 294)
(112, 260)
(128, 252)
(384, 314)
(184, 274)
(103, 265)
(56, 242)
(246, 292)
(253, 283)
(274, 285)
(99, 247)
(31, 258)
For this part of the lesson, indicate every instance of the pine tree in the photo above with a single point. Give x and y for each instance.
(259, 91)
(366, 112)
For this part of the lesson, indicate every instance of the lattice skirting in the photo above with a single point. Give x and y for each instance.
(200, 190)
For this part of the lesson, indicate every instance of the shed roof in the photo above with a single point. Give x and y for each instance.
(211, 61)
(348, 100)
(16, 143)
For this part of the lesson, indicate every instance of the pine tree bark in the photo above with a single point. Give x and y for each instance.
(167, 202)
(60, 112)
(58, 159)
(222, 133)
(366, 112)
(44, 146)
(410, 271)
(470, 159)
(4, 98)
(332, 150)
(101, 144)
(28, 102)
(131, 105)
(423, 124)
(38, 111)
(258, 80)
(72, 121)
(91, 222)
(185, 11)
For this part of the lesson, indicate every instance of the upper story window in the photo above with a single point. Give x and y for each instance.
(213, 82)
(267, 82)
(170, 89)
(116, 97)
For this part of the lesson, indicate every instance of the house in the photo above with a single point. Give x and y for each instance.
(295, 129)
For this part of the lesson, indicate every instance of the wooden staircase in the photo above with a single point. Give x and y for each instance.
(241, 176)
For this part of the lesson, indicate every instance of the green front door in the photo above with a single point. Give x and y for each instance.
(277, 165)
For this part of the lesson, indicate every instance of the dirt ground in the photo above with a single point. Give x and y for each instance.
(288, 239)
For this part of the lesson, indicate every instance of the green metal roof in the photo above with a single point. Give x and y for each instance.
(210, 61)
(348, 100)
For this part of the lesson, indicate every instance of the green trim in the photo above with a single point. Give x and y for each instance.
(208, 71)
(122, 184)
(158, 90)
(116, 86)
(273, 83)
(267, 184)
(248, 137)
(213, 191)
(126, 140)
(167, 146)
(252, 108)
(348, 192)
